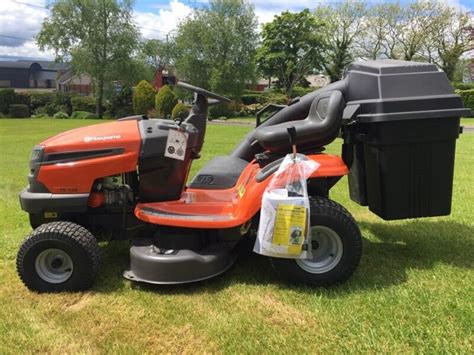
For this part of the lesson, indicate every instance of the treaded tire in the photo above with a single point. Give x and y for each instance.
(330, 214)
(76, 241)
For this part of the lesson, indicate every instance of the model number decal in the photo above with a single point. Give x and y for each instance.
(88, 139)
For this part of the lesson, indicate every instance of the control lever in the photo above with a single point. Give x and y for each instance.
(292, 135)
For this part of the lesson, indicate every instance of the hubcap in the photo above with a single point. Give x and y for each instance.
(54, 266)
(327, 251)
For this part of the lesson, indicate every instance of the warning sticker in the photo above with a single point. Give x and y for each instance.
(176, 144)
(290, 227)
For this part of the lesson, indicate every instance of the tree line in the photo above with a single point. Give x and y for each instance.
(222, 48)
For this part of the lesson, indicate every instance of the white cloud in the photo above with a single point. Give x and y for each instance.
(158, 25)
(20, 21)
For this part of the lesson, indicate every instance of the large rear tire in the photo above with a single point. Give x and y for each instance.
(336, 247)
(58, 256)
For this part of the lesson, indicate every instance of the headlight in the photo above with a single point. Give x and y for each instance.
(36, 155)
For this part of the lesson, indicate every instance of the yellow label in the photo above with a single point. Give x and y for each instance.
(290, 227)
(50, 215)
(241, 190)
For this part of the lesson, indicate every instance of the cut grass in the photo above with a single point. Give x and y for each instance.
(413, 291)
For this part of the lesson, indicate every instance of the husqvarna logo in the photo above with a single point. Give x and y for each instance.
(88, 139)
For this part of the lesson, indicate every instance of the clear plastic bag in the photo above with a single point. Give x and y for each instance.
(283, 229)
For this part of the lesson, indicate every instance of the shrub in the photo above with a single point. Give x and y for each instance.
(40, 99)
(180, 111)
(467, 98)
(22, 98)
(63, 102)
(83, 115)
(153, 113)
(220, 110)
(464, 86)
(165, 101)
(83, 103)
(301, 91)
(18, 111)
(274, 98)
(61, 115)
(251, 97)
(121, 103)
(7, 98)
(123, 112)
(143, 97)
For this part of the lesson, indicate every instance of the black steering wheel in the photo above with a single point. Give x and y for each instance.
(202, 92)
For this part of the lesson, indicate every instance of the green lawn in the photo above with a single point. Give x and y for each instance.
(413, 291)
(469, 121)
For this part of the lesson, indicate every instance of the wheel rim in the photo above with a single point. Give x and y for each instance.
(327, 251)
(54, 266)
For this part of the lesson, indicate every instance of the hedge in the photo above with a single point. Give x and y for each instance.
(467, 98)
(165, 101)
(7, 98)
(83, 103)
(83, 115)
(220, 111)
(18, 111)
(179, 111)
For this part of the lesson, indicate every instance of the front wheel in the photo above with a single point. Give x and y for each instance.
(336, 247)
(58, 256)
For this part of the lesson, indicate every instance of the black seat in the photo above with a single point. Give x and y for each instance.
(219, 173)
(321, 126)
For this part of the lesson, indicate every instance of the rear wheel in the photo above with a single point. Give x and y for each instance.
(336, 247)
(58, 256)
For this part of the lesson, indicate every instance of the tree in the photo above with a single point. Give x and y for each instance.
(451, 37)
(343, 23)
(98, 36)
(157, 53)
(215, 46)
(143, 98)
(379, 38)
(290, 48)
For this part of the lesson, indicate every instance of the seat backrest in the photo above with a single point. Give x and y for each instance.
(319, 128)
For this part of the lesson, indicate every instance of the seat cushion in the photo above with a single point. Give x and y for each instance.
(219, 173)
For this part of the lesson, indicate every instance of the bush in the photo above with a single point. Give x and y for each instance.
(220, 110)
(467, 98)
(464, 86)
(22, 98)
(121, 103)
(165, 101)
(180, 111)
(18, 111)
(7, 98)
(143, 98)
(251, 97)
(273, 98)
(40, 99)
(63, 102)
(299, 91)
(83, 103)
(61, 115)
(83, 115)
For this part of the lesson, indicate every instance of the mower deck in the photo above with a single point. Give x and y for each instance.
(150, 264)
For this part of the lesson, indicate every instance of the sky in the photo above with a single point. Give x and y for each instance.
(20, 20)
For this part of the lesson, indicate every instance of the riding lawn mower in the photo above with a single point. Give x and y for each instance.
(398, 121)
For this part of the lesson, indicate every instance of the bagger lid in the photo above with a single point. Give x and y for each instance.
(398, 90)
